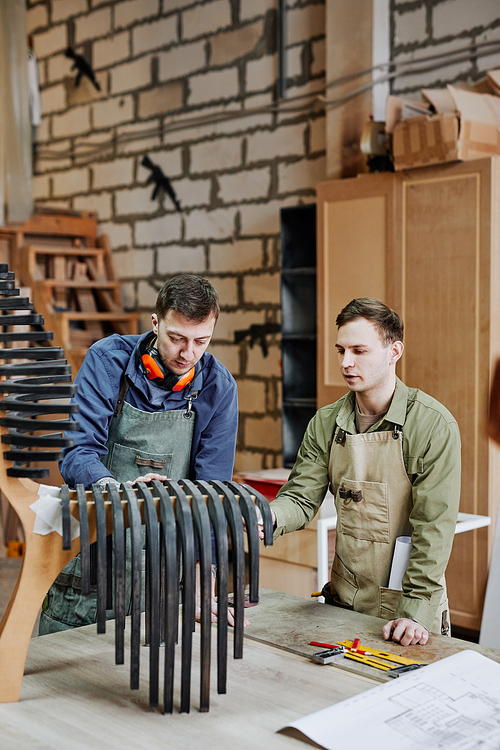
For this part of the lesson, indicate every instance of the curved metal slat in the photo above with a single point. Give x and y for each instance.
(233, 515)
(119, 571)
(250, 515)
(185, 525)
(218, 520)
(84, 537)
(169, 530)
(202, 525)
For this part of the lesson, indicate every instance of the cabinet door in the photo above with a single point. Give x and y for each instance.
(449, 307)
(356, 258)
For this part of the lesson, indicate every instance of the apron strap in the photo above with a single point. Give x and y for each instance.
(124, 386)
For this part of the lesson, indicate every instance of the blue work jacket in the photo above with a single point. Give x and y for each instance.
(98, 381)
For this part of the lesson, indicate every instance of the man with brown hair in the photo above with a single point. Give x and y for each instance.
(151, 406)
(391, 455)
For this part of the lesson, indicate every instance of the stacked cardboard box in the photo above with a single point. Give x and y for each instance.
(454, 124)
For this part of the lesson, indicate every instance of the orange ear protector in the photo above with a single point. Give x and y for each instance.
(158, 373)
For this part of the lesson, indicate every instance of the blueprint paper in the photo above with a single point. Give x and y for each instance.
(452, 704)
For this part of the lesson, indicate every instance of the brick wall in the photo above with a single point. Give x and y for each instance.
(429, 27)
(159, 62)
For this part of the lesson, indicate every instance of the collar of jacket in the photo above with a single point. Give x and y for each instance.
(155, 394)
(396, 413)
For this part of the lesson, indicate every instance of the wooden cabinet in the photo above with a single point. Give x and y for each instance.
(427, 242)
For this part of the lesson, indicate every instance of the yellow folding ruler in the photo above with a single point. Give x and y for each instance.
(383, 660)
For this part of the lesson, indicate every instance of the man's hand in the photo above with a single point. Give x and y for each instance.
(406, 632)
(148, 478)
(214, 605)
(261, 522)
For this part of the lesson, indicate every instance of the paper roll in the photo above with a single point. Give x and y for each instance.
(400, 560)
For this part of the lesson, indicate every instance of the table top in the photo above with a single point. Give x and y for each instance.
(73, 692)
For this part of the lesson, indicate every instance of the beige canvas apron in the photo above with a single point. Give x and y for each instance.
(373, 498)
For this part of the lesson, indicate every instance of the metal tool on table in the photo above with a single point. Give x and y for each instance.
(178, 517)
(393, 664)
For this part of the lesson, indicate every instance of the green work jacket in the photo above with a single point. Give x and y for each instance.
(431, 455)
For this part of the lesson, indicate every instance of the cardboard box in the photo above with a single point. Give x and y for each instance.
(466, 126)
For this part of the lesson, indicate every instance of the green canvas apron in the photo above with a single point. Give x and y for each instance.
(139, 442)
(373, 498)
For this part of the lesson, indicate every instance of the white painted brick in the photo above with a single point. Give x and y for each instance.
(302, 174)
(135, 201)
(204, 225)
(228, 46)
(36, 18)
(120, 235)
(219, 84)
(228, 290)
(492, 61)
(253, 8)
(128, 295)
(99, 203)
(53, 98)
(206, 18)
(161, 99)
(133, 11)
(146, 295)
(294, 61)
(240, 255)
(72, 122)
(154, 35)
(269, 366)
(228, 355)
(59, 67)
(236, 320)
(244, 186)
(57, 205)
(132, 75)
(109, 51)
(97, 145)
(418, 80)
(41, 186)
(304, 23)
(48, 42)
(134, 264)
(318, 57)
(108, 174)
(262, 218)
(249, 461)
(41, 72)
(317, 135)
(311, 87)
(410, 26)
(180, 259)
(42, 131)
(456, 16)
(129, 145)
(262, 289)
(49, 165)
(191, 192)
(261, 73)
(169, 6)
(181, 61)
(284, 141)
(170, 162)
(70, 183)
(262, 433)
(226, 127)
(113, 111)
(216, 155)
(251, 396)
(157, 231)
(64, 9)
(95, 24)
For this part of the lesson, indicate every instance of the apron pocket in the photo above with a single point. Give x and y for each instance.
(362, 510)
(389, 600)
(343, 582)
(123, 463)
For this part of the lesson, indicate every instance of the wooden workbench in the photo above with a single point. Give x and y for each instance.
(73, 694)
